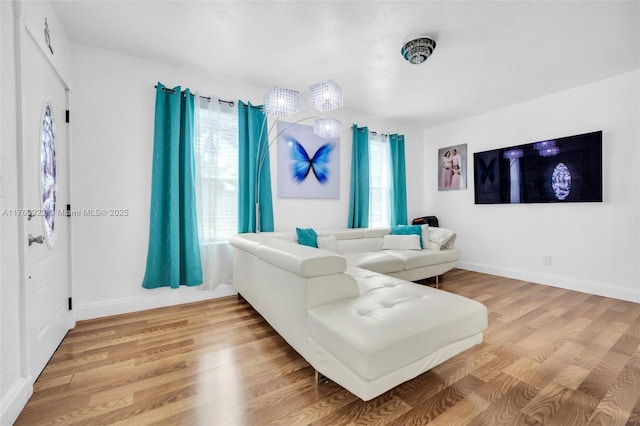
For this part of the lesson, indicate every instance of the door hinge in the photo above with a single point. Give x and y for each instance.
(66, 116)
(70, 304)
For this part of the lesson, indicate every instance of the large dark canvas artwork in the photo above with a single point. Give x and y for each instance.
(560, 170)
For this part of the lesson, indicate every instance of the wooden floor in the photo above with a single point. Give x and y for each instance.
(550, 357)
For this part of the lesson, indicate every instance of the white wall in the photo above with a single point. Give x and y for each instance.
(112, 113)
(594, 247)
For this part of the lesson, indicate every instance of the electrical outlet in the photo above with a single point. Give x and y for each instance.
(546, 260)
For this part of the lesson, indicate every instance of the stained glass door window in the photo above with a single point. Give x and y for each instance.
(48, 173)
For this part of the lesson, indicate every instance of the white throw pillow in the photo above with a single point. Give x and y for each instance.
(329, 243)
(401, 242)
(425, 237)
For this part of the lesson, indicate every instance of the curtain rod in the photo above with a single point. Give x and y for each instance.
(373, 132)
(260, 107)
(220, 101)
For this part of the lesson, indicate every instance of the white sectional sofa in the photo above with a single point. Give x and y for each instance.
(363, 248)
(353, 315)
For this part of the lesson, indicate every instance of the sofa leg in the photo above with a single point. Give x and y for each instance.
(320, 378)
(437, 282)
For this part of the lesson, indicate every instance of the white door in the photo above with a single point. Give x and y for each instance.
(45, 196)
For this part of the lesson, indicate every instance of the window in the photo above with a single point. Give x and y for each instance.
(380, 181)
(216, 152)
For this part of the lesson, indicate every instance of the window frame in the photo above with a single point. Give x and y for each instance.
(379, 181)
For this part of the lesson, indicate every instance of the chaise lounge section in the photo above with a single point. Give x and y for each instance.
(365, 330)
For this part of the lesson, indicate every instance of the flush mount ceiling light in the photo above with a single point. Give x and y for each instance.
(417, 51)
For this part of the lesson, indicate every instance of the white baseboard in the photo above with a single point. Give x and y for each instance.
(116, 307)
(14, 401)
(584, 286)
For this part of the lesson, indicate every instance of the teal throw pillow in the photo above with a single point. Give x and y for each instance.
(408, 230)
(307, 237)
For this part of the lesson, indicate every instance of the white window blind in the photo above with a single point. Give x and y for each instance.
(379, 183)
(216, 152)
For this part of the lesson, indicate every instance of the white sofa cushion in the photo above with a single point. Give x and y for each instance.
(360, 245)
(417, 259)
(358, 239)
(401, 242)
(344, 234)
(392, 324)
(434, 246)
(376, 232)
(329, 243)
(377, 261)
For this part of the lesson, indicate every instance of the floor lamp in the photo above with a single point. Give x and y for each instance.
(282, 103)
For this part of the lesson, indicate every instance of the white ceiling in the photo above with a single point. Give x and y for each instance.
(489, 54)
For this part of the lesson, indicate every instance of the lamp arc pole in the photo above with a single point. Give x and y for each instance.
(262, 155)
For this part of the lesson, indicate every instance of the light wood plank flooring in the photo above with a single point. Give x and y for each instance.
(550, 357)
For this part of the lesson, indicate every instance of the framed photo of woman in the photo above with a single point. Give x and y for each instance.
(452, 168)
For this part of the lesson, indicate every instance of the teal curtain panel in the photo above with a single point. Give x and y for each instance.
(173, 257)
(359, 192)
(398, 192)
(254, 177)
